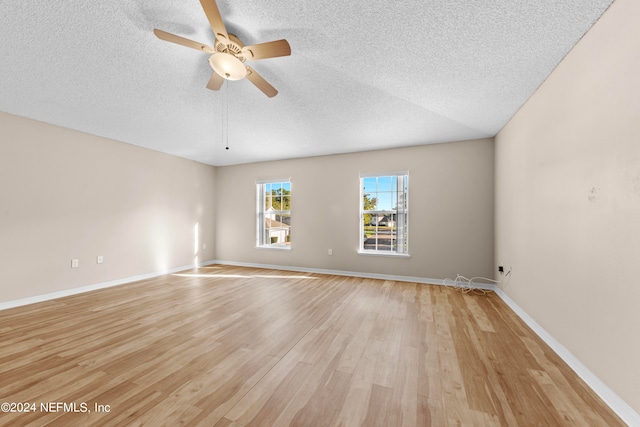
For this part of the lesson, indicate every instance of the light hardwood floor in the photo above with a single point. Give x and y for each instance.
(231, 346)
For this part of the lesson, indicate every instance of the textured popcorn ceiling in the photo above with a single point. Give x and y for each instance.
(363, 74)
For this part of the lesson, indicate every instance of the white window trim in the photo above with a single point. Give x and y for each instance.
(405, 241)
(260, 214)
(384, 253)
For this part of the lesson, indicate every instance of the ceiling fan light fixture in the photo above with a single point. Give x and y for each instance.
(228, 66)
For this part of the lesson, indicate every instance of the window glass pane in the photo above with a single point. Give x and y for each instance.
(384, 183)
(385, 201)
(392, 221)
(366, 221)
(267, 230)
(404, 232)
(383, 237)
(369, 202)
(285, 224)
(369, 185)
(369, 238)
(286, 186)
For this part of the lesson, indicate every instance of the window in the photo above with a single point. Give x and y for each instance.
(384, 214)
(274, 214)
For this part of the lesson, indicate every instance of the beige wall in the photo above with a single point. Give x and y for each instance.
(568, 201)
(65, 194)
(450, 210)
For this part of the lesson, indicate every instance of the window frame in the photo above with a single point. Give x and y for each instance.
(261, 215)
(401, 213)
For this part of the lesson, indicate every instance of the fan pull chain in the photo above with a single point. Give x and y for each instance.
(222, 118)
(226, 90)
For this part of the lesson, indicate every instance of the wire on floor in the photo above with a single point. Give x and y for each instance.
(466, 286)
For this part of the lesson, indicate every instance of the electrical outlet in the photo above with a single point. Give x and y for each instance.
(99, 259)
(75, 263)
(330, 251)
(204, 246)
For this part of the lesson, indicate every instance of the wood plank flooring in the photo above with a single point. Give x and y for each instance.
(231, 346)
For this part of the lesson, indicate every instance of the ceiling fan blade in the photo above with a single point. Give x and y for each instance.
(163, 35)
(261, 83)
(215, 19)
(267, 50)
(215, 82)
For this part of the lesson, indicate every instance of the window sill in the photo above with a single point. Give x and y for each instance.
(387, 254)
(275, 247)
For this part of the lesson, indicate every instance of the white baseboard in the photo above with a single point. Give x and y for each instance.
(93, 287)
(619, 406)
(96, 286)
(411, 279)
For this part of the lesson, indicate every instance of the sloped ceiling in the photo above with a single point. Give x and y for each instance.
(363, 74)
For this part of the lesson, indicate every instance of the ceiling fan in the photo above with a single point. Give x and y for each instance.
(229, 54)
